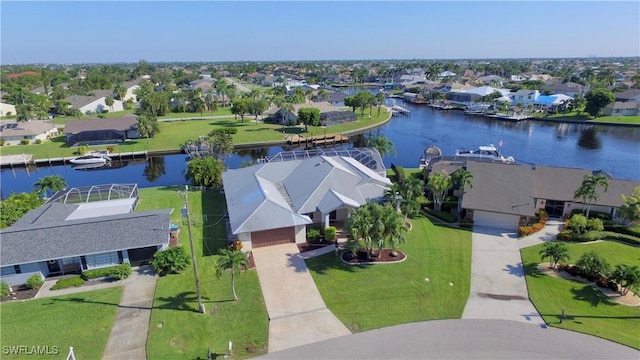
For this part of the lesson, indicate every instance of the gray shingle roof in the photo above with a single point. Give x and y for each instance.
(557, 183)
(121, 124)
(278, 194)
(44, 234)
(501, 188)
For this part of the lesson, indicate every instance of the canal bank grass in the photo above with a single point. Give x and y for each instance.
(584, 118)
(375, 296)
(82, 320)
(587, 309)
(175, 133)
(177, 330)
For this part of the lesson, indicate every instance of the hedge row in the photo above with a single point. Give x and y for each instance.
(76, 281)
(539, 225)
(119, 272)
(567, 235)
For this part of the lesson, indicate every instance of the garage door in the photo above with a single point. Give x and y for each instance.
(496, 220)
(272, 237)
(141, 256)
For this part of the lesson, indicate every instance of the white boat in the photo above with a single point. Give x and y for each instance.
(94, 158)
(488, 152)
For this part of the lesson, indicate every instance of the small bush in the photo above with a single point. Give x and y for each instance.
(4, 289)
(235, 246)
(121, 271)
(97, 273)
(313, 233)
(564, 235)
(330, 233)
(25, 141)
(573, 270)
(602, 282)
(450, 203)
(170, 261)
(612, 285)
(34, 282)
(75, 281)
(38, 141)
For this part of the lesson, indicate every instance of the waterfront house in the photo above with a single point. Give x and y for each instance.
(619, 108)
(108, 130)
(568, 88)
(629, 95)
(13, 133)
(72, 232)
(274, 202)
(524, 97)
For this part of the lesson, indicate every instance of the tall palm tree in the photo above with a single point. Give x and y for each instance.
(382, 144)
(235, 261)
(109, 102)
(286, 109)
(588, 190)
(462, 177)
(411, 189)
(439, 184)
(120, 91)
(380, 98)
(394, 226)
(50, 184)
(393, 192)
(222, 88)
(630, 209)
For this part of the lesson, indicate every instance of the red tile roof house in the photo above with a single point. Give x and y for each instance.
(13, 133)
(70, 234)
(101, 131)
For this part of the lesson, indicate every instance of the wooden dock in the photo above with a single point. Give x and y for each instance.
(313, 141)
(23, 160)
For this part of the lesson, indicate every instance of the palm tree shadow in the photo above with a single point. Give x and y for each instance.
(516, 270)
(591, 295)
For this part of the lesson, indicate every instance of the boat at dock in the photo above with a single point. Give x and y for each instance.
(93, 158)
(428, 154)
(487, 152)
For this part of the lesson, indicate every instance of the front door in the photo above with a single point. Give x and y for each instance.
(554, 208)
(53, 266)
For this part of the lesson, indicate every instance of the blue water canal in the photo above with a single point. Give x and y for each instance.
(611, 148)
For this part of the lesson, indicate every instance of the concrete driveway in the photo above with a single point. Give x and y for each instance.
(498, 286)
(297, 312)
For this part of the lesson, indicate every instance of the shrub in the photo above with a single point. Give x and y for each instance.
(235, 246)
(442, 215)
(577, 223)
(75, 281)
(612, 285)
(110, 148)
(595, 225)
(4, 289)
(313, 233)
(564, 235)
(97, 273)
(330, 233)
(170, 261)
(573, 270)
(450, 203)
(622, 229)
(2, 142)
(466, 223)
(34, 282)
(82, 149)
(38, 141)
(593, 265)
(25, 141)
(121, 271)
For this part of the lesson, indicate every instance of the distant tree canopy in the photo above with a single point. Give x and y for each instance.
(15, 206)
(597, 99)
(309, 116)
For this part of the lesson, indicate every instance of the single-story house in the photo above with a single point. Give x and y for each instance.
(525, 97)
(569, 88)
(61, 237)
(12, 133)
(102, 130)
(619, 108)
(275, 113)
(273, 202)
(131, 87)
(505, 196)
(629, 95)
(7, 109)
(94, 104)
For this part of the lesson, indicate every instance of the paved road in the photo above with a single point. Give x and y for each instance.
(297, 312)
(462, 339)
(498, 286)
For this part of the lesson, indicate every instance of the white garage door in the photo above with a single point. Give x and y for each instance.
(496, 220)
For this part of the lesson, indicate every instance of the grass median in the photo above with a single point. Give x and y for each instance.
(177, 330)
(375, 296)
(588, 310)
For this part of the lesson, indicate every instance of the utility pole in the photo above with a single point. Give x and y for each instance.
(193, 253)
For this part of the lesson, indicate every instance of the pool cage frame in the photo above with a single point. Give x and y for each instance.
(104, 192)
(367, 156)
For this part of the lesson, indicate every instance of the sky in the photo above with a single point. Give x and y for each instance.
(213, 31)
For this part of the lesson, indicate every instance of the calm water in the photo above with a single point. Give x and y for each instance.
(614, 149)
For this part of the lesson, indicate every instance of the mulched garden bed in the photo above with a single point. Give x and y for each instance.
(361, 257)
(20, 293)
(308, 247)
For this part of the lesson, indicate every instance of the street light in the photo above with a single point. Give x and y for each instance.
(193, 254)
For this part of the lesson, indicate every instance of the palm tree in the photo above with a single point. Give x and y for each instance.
(109, 102)
(393, 192)
(222, 88)
(394, 226)
(588, 190)
(286, 109)
(462, 177)
(323, 95)
(148, 126)
(50, 183)
(235, 261)
(120, 91)
(556, 252)
(411, 189)
(382, 144)
(439, 184)
(627, 276)
(380, 98)
(205, 171)
(630, 209)
(359, 227)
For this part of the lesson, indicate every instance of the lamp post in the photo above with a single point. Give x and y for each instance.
(193, 254)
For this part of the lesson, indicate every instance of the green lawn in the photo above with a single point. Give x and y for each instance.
(176, 330)
(174, 133)
(575, 116)
(587, 309)
(81, 320)
(375, 296)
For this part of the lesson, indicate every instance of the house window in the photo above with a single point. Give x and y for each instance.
(102, 260)
(7, 270)
(16, 268)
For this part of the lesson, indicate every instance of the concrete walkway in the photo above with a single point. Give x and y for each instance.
(548, 233)
(297, 312)
(128, 336)
(498, 287)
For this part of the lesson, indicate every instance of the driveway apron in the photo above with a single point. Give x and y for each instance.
(297, 312)
(128, 336)
(498, 286)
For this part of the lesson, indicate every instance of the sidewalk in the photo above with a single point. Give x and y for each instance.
(548, 233)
